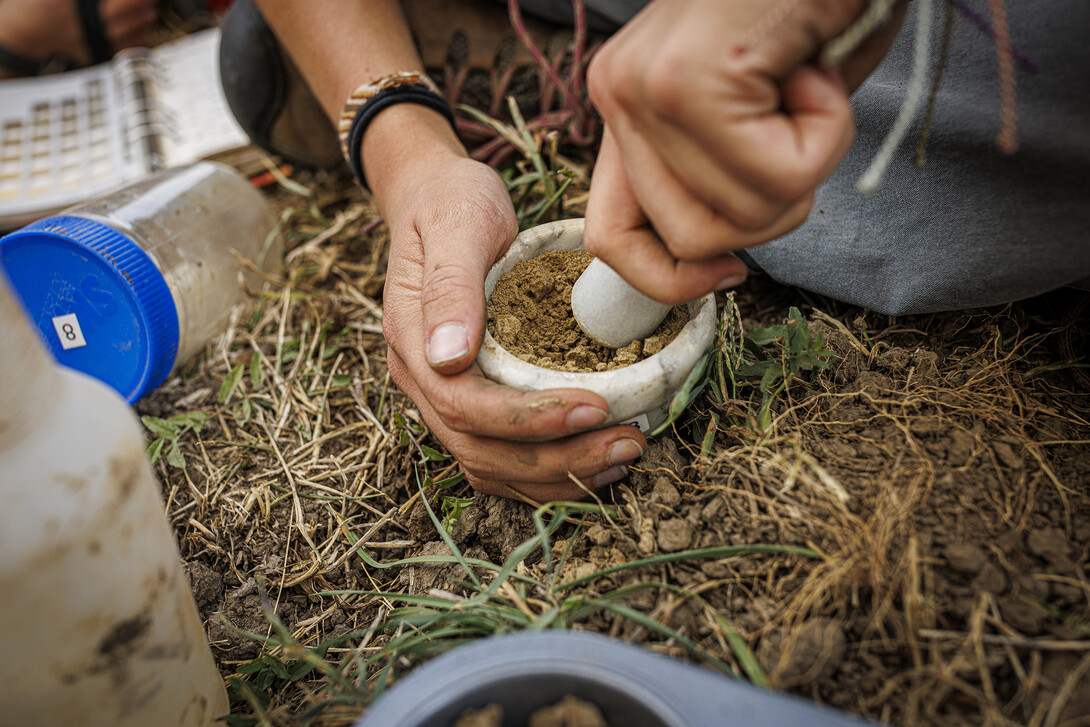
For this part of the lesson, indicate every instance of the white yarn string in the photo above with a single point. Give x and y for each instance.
(873, 17)
(873, 176)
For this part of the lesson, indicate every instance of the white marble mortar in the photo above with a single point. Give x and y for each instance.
(639, 394)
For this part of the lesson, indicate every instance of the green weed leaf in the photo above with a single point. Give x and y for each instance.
(432, 455)
(229, 384)
(257, 371)
(174, 457)
(160, 427)
(155, 449)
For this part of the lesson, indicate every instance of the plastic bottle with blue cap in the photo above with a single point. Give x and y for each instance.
(127, 286)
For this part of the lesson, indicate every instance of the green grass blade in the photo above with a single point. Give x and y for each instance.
(230, 384)
(718, 551)
(444, 534)
(684, 395)
(738, 645)
(548, 203)
(520, 554)
(663, 630)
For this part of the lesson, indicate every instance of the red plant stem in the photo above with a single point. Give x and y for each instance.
(550, 120)
(500, 156)
(453, 81)
(535, 53)
(499, 80)
(475, 128)
(1007, 139)
(579, 43)
(489, 147)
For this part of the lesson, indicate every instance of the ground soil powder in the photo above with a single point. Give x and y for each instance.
(530, 315)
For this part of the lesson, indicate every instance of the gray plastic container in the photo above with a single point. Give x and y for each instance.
(633, 687)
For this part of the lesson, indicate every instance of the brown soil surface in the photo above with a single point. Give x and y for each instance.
(939, 469)
(529, 314)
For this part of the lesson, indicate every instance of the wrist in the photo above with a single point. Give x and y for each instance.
(401, 143)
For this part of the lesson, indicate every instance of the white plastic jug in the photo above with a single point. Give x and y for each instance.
(97, 623)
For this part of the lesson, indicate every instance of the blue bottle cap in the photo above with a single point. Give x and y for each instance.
(98, 300)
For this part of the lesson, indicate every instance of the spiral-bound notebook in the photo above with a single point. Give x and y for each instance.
(70, 136)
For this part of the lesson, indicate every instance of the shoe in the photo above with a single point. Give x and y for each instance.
(268, 96)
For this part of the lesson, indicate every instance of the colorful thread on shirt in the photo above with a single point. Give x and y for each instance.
(873, 176)
(1007, 138)
(1024, 59)
(936, 82)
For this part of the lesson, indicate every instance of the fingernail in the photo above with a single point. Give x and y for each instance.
(608, 477)
(448, 342)
(730, 281)
(624, 450)
(585, 416)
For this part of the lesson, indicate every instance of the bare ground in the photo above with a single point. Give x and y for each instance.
(939, 468)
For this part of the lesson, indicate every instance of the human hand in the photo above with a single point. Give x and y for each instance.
(450, 219)
(719, 127)
(41, 29)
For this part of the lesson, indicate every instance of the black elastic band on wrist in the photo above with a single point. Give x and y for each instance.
(94, 30)
(18, 63)
(381, 100)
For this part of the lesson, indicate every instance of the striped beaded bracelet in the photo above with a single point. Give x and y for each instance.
(369, 99)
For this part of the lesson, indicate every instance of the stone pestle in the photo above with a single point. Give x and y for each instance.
(611, 311)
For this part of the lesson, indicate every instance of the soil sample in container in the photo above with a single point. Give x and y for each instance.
(529, 314)
(568, 712)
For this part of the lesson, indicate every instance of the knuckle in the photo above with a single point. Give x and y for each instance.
(485, 213)
(754, 216)
(697, 236)
(390, 327)
(445, 284)
(674, 292)
(449, 407)
(796, 183)
(398, 371)
(476, 467)
(601, 80)
(595, 238)
(664, 95)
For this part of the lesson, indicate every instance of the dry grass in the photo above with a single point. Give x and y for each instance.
(931, 447)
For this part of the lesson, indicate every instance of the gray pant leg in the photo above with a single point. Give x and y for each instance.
(603, 16)
(972, 227)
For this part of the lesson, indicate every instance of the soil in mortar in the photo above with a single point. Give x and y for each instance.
(529, 314)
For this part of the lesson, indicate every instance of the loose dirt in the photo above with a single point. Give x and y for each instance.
(529, 314)
(568, 712)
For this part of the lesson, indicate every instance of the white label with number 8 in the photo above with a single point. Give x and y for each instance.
(68, 331)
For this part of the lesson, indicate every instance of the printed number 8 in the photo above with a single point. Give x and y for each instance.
(69, 331)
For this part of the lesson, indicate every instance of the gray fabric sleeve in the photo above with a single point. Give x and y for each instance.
(603, 16)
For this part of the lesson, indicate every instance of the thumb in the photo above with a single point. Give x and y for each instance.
(458, 252)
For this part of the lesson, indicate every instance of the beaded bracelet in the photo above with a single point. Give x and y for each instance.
(369, 99)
